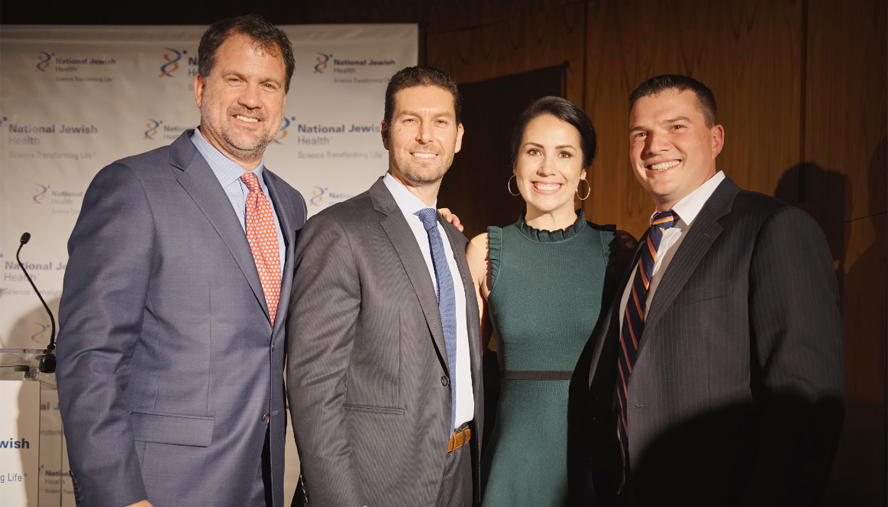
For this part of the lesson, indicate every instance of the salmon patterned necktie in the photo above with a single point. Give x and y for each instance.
(262, 237)
(633, 324)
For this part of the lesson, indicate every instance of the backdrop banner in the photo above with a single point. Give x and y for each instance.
(74, 99)
(19, 441)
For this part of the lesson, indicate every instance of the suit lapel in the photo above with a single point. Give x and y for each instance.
(202, 185)
(404, 243)
(288, 230)
(458, 244)
(699, 239)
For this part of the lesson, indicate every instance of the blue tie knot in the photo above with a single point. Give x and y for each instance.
(429, 218)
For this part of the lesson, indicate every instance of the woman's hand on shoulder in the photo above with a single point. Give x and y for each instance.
(451, 217)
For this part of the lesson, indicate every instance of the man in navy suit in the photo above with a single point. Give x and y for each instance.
(719, 375)
(171, 349)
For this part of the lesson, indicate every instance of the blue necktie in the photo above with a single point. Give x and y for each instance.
(446, 297)
(633, 324)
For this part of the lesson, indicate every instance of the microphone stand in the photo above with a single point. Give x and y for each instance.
(47, 360)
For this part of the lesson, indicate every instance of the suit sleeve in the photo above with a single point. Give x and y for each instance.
(798, 359)
(324, 313)
(101, 311)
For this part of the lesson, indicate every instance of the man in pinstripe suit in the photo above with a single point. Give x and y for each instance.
(384, 375)
(734, 376)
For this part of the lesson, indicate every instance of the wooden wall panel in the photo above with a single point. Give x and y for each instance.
(846, 136)
(530, 36)
(747, 52)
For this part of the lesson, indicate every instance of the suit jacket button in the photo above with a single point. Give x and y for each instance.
(445, 381)
(265, 418)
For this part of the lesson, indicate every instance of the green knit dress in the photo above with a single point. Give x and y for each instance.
(545, 300)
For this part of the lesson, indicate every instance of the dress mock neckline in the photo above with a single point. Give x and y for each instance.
(552, 236)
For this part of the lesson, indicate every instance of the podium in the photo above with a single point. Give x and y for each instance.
(34, 468)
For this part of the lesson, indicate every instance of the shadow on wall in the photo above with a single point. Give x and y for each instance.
(859, 473)
(826, 197)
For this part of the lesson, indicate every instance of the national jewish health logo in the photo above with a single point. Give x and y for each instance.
(322, 63)
(43, 60)
(40, 329)
(39, 193)
(152, 128)
(282, 132)
(317, 196)
(2, 120)
(172, 58)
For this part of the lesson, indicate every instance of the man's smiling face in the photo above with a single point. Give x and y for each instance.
(242, 100)
(671, 148)
(423, 135)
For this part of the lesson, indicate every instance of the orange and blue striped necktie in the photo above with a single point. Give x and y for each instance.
(633, 323)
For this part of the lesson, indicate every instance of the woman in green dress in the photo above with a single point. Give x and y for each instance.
(542, 282)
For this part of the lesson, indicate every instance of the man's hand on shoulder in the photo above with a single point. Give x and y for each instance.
(143, 503)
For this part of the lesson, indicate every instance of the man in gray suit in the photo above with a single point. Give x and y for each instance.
(384, 370)
(171, 349)
(719, 375)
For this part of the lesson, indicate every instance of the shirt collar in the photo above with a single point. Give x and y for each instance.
(227, 171)
(407, 202)
(688, 208)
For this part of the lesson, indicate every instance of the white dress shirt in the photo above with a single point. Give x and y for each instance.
(410, 204)
(687, 210)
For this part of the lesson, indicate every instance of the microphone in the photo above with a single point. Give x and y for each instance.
(46, 360)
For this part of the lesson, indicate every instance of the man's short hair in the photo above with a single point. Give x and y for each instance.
(420, 76)
(657, 84)
(565, 111)
(263, 33)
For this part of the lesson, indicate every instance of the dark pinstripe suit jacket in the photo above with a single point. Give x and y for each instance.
(366, 358)
(738, 390)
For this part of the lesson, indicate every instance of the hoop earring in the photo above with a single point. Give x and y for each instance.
(509, 186)
(588, 191)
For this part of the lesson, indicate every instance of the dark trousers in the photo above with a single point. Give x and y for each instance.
(456, 485)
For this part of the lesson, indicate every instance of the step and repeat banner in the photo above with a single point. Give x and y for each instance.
(74, 99)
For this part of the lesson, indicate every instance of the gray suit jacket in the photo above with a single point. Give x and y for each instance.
(737, 393)
(366, 358)
(167, 362)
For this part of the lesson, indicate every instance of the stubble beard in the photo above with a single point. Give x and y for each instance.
(418, 177)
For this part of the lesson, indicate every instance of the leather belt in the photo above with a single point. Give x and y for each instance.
(536, 375)
(459, 438)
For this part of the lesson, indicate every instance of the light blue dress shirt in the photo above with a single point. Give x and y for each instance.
(229, 172)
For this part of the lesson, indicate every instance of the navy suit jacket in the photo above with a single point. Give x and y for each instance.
(738, 389)
(168, 366)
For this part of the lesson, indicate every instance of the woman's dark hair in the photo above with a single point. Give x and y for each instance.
(565, 111)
